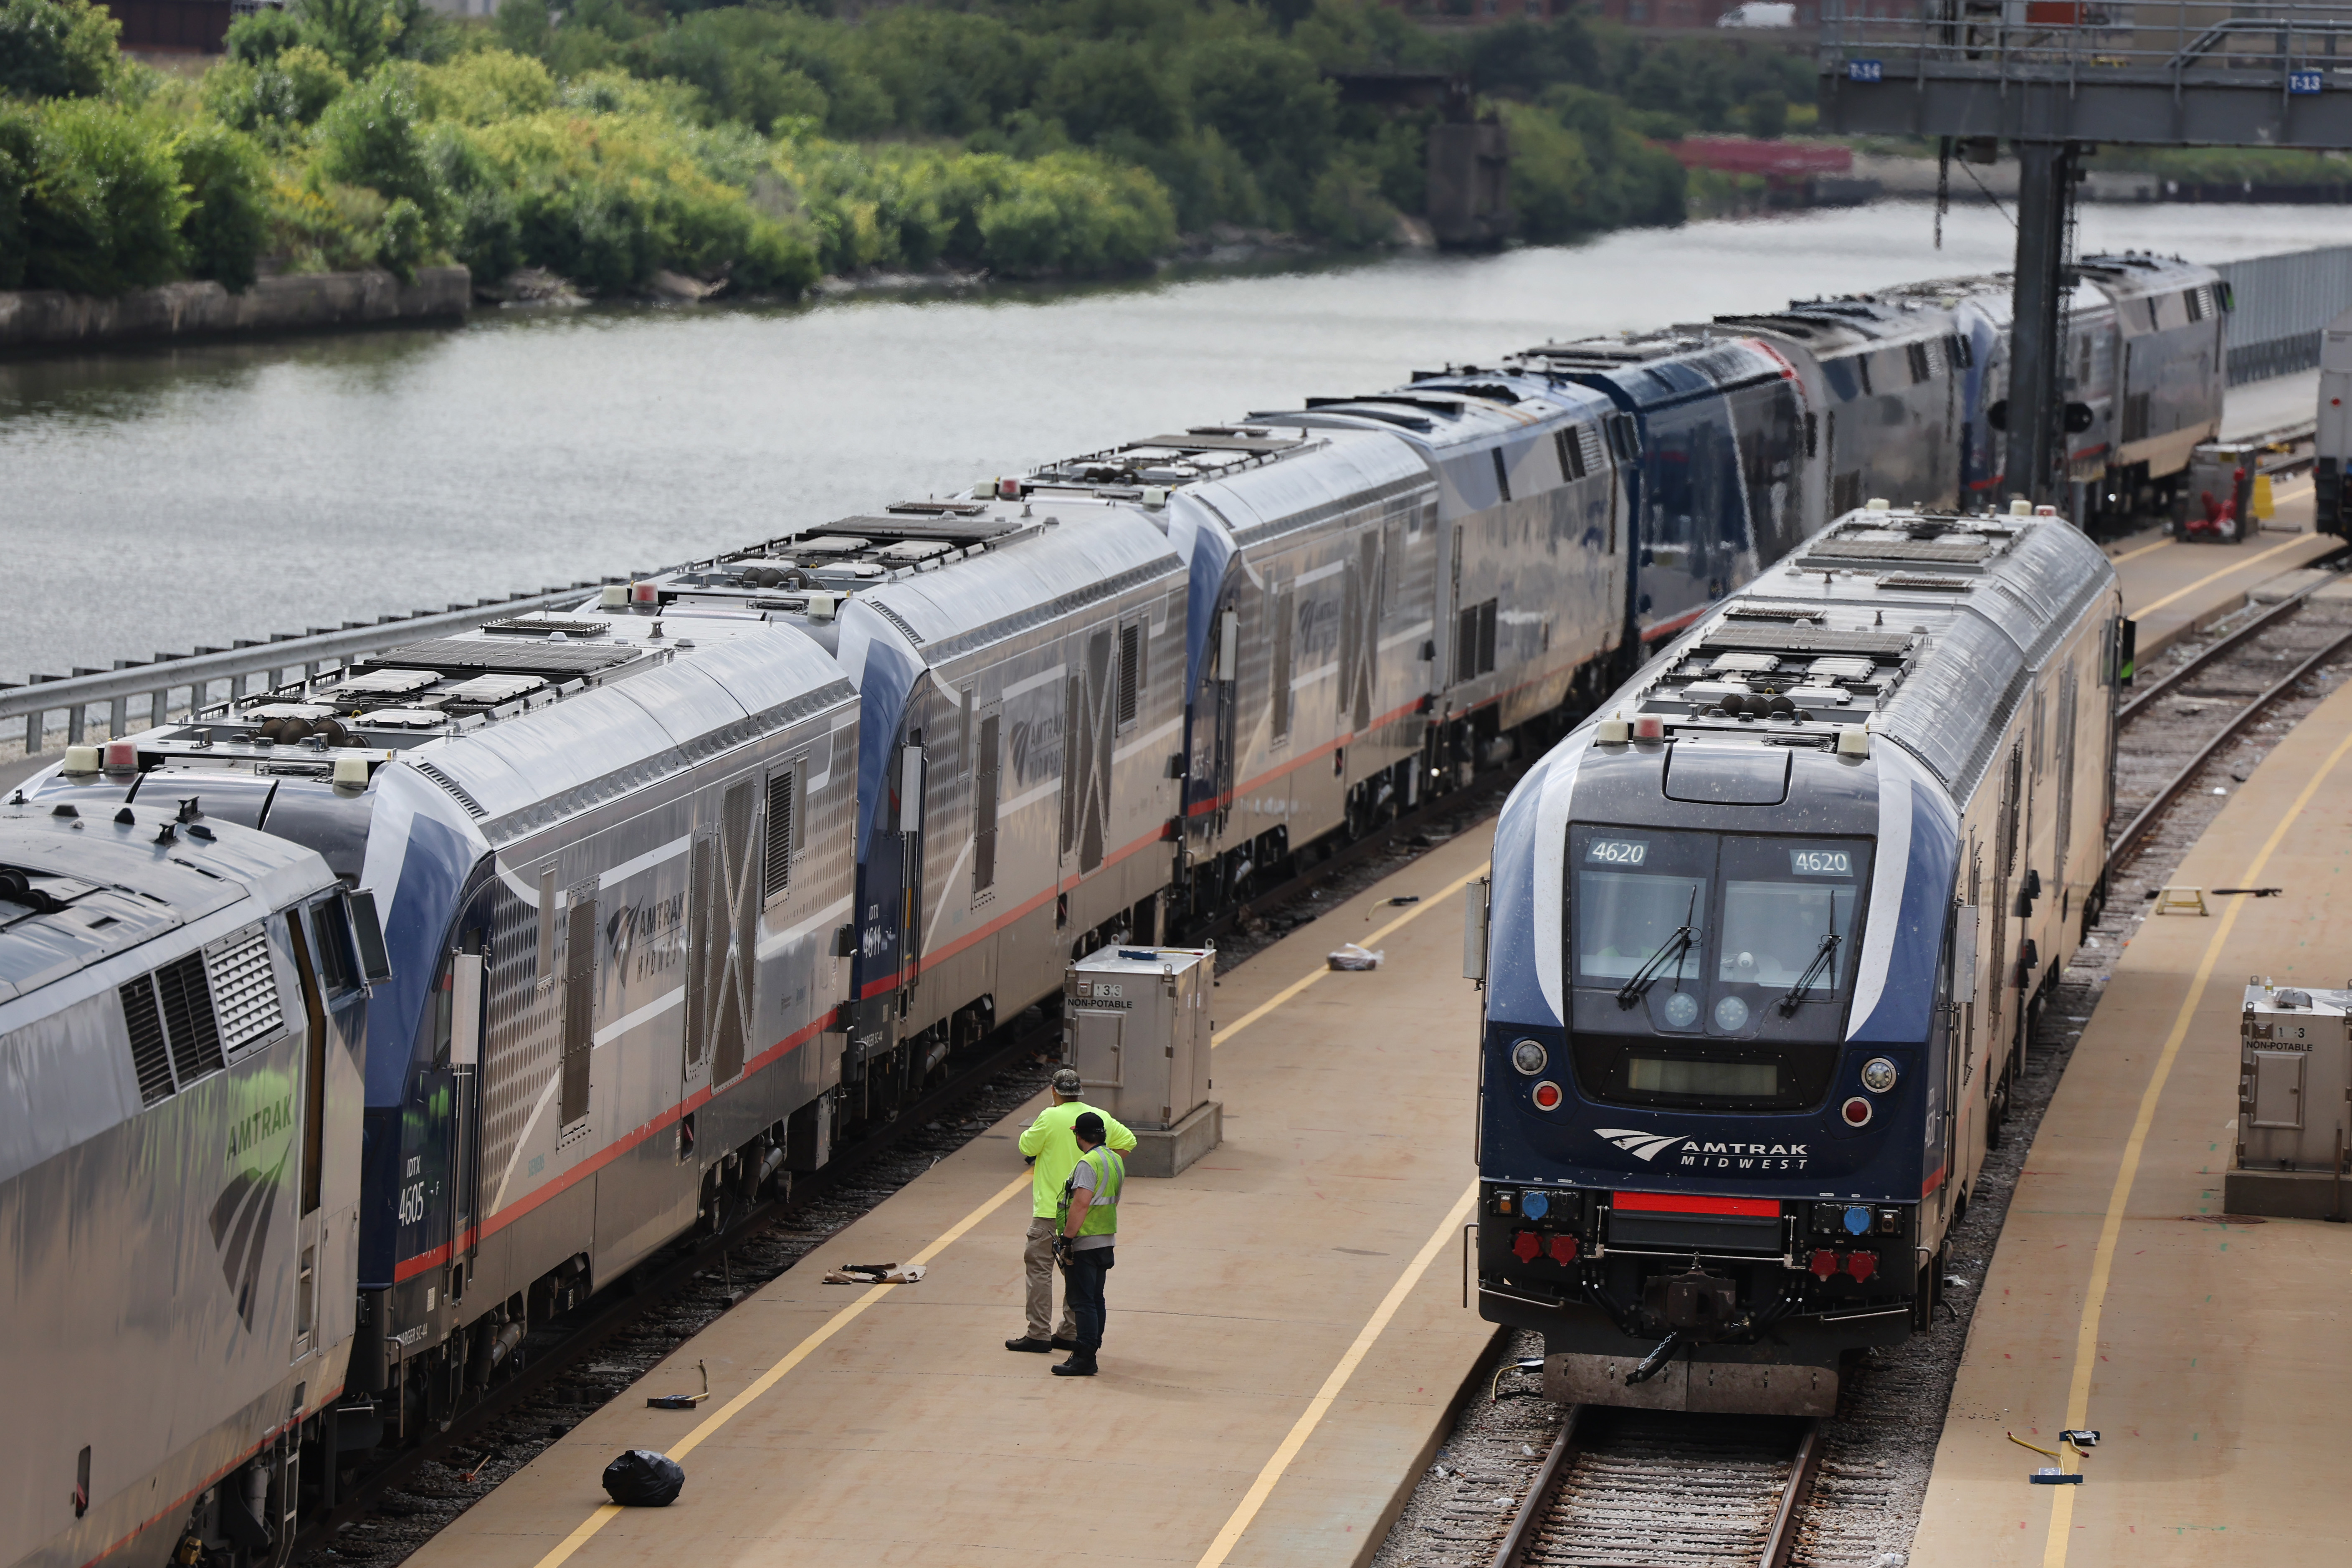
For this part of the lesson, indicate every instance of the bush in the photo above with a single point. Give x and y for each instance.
(102, 207)
(277, 99)
(403, 240)
(374, 136)
(57, 49)
(227, 177)
(260, 38)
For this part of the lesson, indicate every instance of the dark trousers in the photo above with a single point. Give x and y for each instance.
(1083, 1284)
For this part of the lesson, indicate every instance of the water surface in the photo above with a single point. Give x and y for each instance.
(155, 499)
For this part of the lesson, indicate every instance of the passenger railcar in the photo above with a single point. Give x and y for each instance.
(1760, 948)
(182, 1004)
(1714, 460)
(611, 856)
(1885, 373)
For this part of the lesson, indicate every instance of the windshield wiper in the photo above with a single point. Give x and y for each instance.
(1824, 958)
(1673, 948)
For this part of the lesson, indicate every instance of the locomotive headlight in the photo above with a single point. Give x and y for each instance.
(1546, 1095)
(1529, 1056)
(1878, 1076)
(1731, 1013)
(1682, 1009)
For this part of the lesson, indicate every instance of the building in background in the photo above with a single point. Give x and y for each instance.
(174, 26)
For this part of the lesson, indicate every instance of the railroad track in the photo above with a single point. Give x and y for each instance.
(1643, 1489)
(1621, 1489)
(2191, 715)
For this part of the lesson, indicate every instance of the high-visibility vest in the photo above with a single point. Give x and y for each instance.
(1110, 1175)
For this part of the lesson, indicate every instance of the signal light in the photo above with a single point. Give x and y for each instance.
(1546, 1095)
(644, 593)
(1563, 1248)
(1526, 1245)
(121, 755)
(1857, 1112)
(1649, 727)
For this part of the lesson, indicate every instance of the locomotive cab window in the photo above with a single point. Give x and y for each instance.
(1712, 971)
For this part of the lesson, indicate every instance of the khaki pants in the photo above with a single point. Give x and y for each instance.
(1039, 1259)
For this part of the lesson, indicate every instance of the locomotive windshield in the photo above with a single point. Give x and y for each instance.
(1711, 970)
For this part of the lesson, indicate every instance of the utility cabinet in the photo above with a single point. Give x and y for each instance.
(2295, 1101)
(1136, 1024)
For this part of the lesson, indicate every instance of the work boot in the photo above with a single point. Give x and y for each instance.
(1064, 1341)
(1080, 1365)
(1034, 1346)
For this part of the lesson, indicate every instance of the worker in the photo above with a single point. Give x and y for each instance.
(1053, 1151)
(1082, 1242)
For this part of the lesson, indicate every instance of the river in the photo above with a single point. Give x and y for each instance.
(153, 500)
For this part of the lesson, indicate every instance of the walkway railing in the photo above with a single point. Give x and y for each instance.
(140, 695)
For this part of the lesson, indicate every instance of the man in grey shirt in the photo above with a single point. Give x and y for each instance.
(1084, 1240)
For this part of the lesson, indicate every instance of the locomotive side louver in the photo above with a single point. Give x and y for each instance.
(245, 992)
(149, 1057)
(188, 1022)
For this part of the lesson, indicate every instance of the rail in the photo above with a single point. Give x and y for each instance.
(152, 687)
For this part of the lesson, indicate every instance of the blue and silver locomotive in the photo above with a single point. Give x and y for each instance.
(1761, 943)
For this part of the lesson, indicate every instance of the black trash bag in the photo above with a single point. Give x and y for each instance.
(643, 1479)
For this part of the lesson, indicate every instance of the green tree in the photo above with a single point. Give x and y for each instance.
(227, 177)
(1768, 115)
(57, 49)
(374, 136)
(261, 37)
(103, 206)
(1099, 88)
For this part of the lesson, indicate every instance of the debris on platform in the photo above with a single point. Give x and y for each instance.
(1352, 957)
(682, 1401)
(877, 1274)
(643, 1479)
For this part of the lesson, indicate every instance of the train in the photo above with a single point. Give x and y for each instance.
(1761, 943)
(676, 888)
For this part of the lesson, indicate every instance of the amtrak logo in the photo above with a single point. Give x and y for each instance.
(1641, 1146)
(1695, 1153)
(240, 1227)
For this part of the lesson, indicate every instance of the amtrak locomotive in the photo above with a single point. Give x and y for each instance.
(1760, 950)
(680, 884)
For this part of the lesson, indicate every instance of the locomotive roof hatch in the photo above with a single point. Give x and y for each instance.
(1919, 627)
(81, 882)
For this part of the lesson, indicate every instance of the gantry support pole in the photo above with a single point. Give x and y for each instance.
(2037, 401)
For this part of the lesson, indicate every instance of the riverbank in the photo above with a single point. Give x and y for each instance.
(49, 318)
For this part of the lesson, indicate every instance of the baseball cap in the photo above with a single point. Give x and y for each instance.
(1066, 1080)
(1089, 1127)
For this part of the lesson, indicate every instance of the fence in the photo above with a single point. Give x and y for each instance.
(2282, 305)
(187, 683)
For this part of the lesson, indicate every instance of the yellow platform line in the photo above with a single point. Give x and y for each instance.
(2087, 1339)
(2218, 576)
(2136, 554)
(1308, 978)
(1270, 1474)
(799, 1352)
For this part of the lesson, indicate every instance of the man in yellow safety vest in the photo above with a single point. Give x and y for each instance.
(1084, 1239)
(1052, 1152)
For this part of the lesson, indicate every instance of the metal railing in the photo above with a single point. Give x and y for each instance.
(2174, 40)
(187, 683)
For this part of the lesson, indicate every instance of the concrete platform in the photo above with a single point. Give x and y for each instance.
(1287, 1332)
(2210, 1351)
(2174, 588)
(2262, 408)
